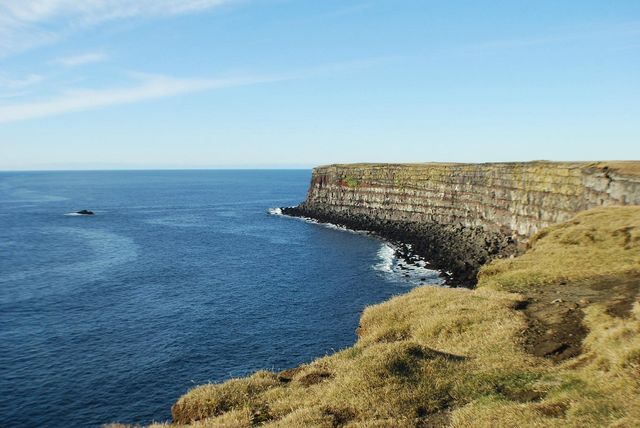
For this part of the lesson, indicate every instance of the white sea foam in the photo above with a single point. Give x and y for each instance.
(414, 273)
(278, 212)
(387, 256)
(73, 214)
(275, 211)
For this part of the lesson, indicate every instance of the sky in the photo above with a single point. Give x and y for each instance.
(128, 84)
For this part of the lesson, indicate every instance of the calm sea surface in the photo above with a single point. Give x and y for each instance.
(181, 278)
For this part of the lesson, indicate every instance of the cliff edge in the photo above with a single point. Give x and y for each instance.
(549, 338)
(460, 216)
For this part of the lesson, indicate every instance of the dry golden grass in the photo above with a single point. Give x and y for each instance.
(410, 362)
(622, 167)
(599, 388)
(454, 357)
(599, 242)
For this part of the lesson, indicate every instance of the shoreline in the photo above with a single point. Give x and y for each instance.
(521, 349)
(405, 262)
(456, 252)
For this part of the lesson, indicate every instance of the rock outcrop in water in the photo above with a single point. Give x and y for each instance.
(459, 216)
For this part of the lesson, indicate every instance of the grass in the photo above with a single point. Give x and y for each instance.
(623, 167)
(393, 377)
(352, 182)
(599, 242)
(453, 357)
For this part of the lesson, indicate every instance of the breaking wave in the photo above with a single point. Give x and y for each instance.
(278, 212)
(414, 271)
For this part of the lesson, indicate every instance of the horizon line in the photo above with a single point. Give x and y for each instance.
(294, 167)
(229, 168)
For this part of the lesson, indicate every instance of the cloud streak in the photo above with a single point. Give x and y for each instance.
(149, 87)
(13, 84)
(82, 59)
(25, 24)
(621, 31)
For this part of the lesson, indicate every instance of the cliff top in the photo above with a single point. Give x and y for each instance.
(622, 167)
(631, 167)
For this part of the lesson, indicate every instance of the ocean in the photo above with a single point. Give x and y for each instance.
(181, 278)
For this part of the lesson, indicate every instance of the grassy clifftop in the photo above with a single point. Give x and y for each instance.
(494, 356)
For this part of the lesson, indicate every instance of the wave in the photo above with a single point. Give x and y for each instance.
(412, 269)
(275, 211)
(387, 256)
(278, 212)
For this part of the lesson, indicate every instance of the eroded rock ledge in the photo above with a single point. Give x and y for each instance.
(459, 216)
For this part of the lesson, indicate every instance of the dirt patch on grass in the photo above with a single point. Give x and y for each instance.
(592, 259)
(555, 312)
(314, 377)
(287, 376)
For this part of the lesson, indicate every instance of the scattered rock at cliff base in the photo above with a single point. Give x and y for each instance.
(455, 250)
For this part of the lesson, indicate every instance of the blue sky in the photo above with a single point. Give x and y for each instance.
(295, 83)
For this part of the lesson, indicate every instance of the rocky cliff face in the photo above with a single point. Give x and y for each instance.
(461, 215)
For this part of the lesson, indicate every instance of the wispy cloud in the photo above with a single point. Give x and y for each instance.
(19, 83)
(82, 59)
(620, 31)
(148, 87)
(28, 23)
(348, 10)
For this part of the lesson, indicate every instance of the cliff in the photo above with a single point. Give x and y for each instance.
(459, 216)
(550, 338)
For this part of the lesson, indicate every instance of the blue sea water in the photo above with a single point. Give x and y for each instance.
(181, 278)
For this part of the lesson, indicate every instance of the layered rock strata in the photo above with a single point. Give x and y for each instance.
(459, 216)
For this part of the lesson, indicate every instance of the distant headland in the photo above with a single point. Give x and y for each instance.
(459, 216)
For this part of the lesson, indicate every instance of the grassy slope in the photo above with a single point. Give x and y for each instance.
(599, 242)
(454, 357)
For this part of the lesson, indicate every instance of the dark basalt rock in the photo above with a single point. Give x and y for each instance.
(85, 212)
(454, 249)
